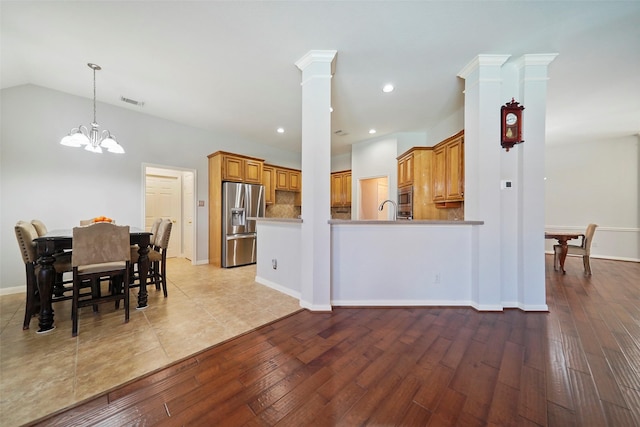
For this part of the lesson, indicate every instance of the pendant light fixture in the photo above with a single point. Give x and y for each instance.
(93, 139)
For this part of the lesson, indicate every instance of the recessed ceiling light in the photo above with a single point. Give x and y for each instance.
(280, 130)
(387, 88)
(372, 131)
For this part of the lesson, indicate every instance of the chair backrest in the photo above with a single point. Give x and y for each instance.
(164, 233)
(154, 230)
(99, 243)
(25, 233)
(41, 229)
(588, 237)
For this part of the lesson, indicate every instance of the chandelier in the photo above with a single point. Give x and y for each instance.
(92, 139)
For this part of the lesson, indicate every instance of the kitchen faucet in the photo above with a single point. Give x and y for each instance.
(395, 208)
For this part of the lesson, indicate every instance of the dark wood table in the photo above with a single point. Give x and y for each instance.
(57, 240)
(562, 238)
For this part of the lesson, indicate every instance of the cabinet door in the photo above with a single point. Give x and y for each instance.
(454, 179)
(336, 190)
(282, 180)
(253, 171)
(268, 180)
(405, 170)
(346, 182)
(439, 174)
(295, 180)
(233, 169)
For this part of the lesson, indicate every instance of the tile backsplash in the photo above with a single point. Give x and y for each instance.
(284, 207)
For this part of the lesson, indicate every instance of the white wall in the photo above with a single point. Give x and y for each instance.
(596, 182)
(39, 178)
(373, 159)
(279, 241)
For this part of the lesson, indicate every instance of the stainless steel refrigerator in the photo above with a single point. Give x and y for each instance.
(239, 203)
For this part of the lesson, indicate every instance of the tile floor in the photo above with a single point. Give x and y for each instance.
(206, 305)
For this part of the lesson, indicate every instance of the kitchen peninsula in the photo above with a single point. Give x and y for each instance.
(380, 263)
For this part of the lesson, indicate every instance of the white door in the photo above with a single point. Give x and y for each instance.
(373, 191)
(188, 199)
(163, 200)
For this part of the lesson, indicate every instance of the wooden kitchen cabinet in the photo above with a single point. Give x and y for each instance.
(415, 171)
(405, 169)
(269, 182)
(225, 166)
(288, 179)
(448, 172)
(341, 189)
(238, 168)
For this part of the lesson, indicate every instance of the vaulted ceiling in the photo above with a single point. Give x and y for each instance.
(229, 65)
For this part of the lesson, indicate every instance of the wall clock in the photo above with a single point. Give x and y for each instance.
(511, 124)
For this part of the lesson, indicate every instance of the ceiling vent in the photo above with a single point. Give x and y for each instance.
(340, 132)
(132, 101)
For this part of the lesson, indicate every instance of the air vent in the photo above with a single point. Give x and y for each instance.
(340, 132)
(132, 101)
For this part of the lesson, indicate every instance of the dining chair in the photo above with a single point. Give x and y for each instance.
(25, 234)
(157, 257)
(100, 250)
(583, 250)
(41, 229)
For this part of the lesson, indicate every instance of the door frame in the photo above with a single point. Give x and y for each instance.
(194, 238)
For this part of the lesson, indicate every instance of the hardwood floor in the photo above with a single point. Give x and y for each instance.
(577, 365)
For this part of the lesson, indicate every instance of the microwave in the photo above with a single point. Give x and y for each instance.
(405, 202)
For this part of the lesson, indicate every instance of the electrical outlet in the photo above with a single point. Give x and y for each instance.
(436, 278)
(274, 264)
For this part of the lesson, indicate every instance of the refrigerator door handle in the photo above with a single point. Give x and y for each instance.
(241, 236)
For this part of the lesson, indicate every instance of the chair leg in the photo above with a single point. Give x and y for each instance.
(163, 277)
(31, 301)
(74, 307)
(587, 265)
(556, 260)
(126, 296)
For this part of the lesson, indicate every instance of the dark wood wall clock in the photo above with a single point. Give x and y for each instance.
(511, 124)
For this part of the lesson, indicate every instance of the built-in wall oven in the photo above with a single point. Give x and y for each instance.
(405, 202)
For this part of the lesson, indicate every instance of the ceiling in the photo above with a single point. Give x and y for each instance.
(229, 66)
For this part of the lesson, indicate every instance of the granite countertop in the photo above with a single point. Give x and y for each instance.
(402, 222)
(265, 219)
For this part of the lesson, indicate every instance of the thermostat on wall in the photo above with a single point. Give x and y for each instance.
(505, 183)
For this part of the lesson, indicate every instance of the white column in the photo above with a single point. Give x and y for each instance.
(482, 174)
(533, 88)
(316, 67)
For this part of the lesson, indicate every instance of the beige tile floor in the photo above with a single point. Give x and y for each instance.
(41, 374)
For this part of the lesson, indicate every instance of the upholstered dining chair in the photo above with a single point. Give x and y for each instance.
(41, 229)
(583, 250)
(100, 250)
(25, 234)
(157, 257)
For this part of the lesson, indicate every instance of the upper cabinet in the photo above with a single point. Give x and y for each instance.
(448, 172)
(269, 182)
(241, 168)
(405, 169)
(288, 179)
(341, 189)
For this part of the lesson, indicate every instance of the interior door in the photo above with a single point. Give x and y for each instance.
(188, 217)
(163, 199)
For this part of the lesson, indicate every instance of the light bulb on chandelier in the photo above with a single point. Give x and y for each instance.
(92, 139)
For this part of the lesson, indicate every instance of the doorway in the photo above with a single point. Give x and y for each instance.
(373, 191)
(170, 194)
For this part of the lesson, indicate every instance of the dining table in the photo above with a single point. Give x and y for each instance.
(562, 237)
(56, 241)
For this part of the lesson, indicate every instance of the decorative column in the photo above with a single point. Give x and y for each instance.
(531, 165)
(317, 71)
(482, 148)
